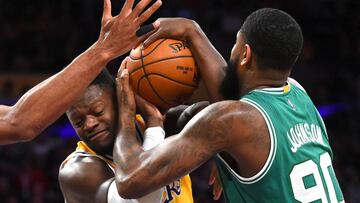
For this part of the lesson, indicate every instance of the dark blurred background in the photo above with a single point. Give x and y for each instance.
(39, 38)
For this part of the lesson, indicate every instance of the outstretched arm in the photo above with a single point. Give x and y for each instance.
(140, 172)
(209, 61)
(47, 101)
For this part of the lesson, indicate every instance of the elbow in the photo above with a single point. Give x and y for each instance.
(21, 132)
(27, 135)
(128, 188)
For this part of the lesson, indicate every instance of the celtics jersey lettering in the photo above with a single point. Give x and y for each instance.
(299, 166)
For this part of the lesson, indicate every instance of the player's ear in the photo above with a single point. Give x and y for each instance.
(245, 56)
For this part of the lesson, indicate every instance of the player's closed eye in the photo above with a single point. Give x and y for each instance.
(79, 123)
(99, 113)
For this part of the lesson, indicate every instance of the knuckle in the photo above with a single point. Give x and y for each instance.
(138, 9)
(142, 18)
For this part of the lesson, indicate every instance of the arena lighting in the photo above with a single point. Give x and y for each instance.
(331, 109)
(66, 131)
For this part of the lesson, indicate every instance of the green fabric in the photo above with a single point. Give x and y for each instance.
(293, 171)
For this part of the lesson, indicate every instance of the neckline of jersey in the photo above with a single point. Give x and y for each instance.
(275, 90)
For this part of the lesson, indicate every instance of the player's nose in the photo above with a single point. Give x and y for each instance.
(91, 123)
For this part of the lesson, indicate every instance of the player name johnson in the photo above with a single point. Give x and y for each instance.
(303, 133)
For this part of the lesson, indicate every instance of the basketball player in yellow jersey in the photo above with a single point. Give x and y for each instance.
(87, 175)
(47, 101)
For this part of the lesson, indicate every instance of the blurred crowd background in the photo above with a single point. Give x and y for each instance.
(39, 38)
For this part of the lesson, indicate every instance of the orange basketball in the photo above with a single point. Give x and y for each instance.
(164, 73)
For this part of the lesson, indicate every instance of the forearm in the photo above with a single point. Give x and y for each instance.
(148, 171)
(32, 114)
(210, 63)
(137, 173)
(140, 172)
(126, 154)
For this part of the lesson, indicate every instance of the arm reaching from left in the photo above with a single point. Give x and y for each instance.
(47, 101)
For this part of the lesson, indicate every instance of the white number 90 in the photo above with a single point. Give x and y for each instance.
(316, 192)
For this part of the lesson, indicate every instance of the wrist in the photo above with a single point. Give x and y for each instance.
(102, 54)
(152, 137)
(155, 121)
(125, 120)
(156, 131)
(193, 31)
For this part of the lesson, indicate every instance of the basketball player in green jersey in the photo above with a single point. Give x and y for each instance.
(271, 129)
(47, 101)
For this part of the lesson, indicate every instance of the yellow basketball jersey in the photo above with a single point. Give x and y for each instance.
(178, 191)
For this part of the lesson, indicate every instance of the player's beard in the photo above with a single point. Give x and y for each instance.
(231, 83)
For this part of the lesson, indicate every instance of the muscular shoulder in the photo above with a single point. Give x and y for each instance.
(225, 122)
(81, 168)
(82, 177)
(247, 135)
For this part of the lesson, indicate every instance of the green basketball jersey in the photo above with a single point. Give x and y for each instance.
(299, 165)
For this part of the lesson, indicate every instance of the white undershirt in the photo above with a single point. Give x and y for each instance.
(152, 137)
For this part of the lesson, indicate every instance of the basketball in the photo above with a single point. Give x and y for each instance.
(164, 73)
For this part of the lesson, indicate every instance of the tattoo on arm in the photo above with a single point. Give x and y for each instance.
(206, 134)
